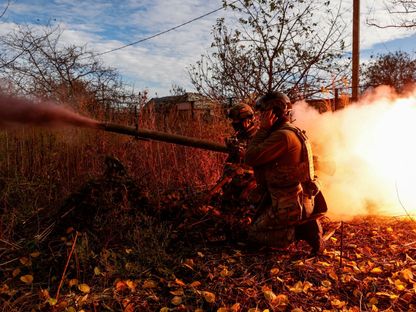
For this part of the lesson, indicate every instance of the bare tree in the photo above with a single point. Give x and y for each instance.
(402, 13)
(397, 70)
(38, 63)
(290, 45)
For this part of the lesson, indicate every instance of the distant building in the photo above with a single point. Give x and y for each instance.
(186, 107)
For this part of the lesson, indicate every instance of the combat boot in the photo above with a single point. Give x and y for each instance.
(311, 232)
(317, 244)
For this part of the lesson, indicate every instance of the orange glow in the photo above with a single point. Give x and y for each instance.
(373, 143)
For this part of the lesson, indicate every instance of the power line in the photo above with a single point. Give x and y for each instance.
(165, 31)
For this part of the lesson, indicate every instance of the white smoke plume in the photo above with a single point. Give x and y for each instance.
(372, 143)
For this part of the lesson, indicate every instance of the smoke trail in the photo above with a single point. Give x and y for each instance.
(372, 144)
(20, 111)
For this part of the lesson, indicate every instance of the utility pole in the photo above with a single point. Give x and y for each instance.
(355, 49)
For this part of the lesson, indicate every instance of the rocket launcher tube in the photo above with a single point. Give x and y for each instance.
(327, 167)
(164, 137)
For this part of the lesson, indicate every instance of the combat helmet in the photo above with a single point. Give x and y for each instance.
(278, 101)
(240, 112)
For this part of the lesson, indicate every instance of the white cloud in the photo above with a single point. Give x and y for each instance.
(161, 61)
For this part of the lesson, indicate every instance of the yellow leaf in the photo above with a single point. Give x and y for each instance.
(200, 254)
(16, 272)
(274, 271)
(333, 275)
(195, 284)
(97, 271)
(373, 301)
(71, 309)
(269, 295)
(73, 282)
(131, 285)
(84, 288)
(52, 301)
(377, 270)
(297, 288)
(400, 285)
(35, 254)
(386, 294)
(176, 300)
(164, 309)
(179, 282)
(306, 286)
(253, 310)
(225, 272)
(235, 307)
(27, 279)
(281, 300)
(25, 261)
(406, 274)
(177, 292)
(149, 284)
(297, 310)
(326, 283)
(209, 296)
(336, 303)
(222, 309)
(389, 229)
(324, 264)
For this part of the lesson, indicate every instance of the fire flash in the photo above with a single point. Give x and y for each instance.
(372, 144)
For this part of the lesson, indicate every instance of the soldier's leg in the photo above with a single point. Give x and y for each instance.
(267, 231)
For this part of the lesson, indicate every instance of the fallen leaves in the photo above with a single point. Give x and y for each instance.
(209, 296)
(84, 288)
(27, 279)
(375, 273)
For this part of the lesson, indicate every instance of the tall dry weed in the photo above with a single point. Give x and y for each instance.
(40, 167)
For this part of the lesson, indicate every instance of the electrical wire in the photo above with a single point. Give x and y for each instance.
(165, 31)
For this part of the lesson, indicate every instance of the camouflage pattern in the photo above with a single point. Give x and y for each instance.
(240, 182)
(237, 180)
(274, 225)
(240, 112)
(282, 161)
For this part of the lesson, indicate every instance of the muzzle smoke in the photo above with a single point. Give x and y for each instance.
(17, 111)
(372, 143)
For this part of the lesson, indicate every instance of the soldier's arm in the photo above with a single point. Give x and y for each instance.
(266, 147)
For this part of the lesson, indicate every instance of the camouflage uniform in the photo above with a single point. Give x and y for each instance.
(240, 177)
(277, 155)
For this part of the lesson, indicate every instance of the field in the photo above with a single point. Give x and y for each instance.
(75, 236)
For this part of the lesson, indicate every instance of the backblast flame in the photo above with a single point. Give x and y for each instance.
(372, 143)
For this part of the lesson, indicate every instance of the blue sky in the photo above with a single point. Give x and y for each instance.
(160, 62)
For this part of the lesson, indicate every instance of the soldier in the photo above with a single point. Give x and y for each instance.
(283, 165)
(238, 180)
